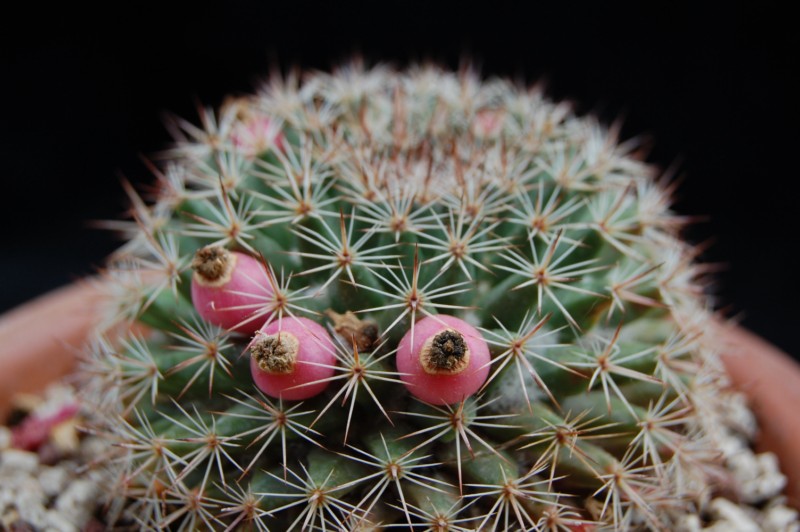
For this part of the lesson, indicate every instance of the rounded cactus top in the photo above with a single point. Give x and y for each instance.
(539, 249)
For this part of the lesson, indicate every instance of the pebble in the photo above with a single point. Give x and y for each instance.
(15, 461)
(758, 476)
(5, 438)
(58, 522)
(689, 523)
(78, 501)
(65, 436)
(30, 506)
(730, 517)
(53, 480)
(93, 447)
(779, 518)
(738, 416)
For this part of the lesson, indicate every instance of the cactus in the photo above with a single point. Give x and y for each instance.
(454, 305)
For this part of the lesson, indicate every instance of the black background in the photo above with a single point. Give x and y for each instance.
(710, 88)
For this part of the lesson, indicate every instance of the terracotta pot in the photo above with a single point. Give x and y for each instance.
(39, 342)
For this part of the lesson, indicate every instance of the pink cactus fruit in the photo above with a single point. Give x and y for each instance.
(446, 361)
(292, 359)
(256, 134)
(231, 289)
(488, 123)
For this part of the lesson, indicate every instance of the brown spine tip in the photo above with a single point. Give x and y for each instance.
(445, 353)
(276, 353)
(213, 264)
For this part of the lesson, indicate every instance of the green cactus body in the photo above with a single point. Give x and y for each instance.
(377, 198)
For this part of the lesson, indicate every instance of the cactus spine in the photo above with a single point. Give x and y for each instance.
(376, 201)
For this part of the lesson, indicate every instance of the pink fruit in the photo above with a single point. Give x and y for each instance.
(256, 134)
(231, 289)
(292, 358)
(488, 123)
(447, 361)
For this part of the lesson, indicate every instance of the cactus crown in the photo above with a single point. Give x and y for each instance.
(372, 199)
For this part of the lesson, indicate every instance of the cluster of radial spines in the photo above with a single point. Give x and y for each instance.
(411, 195)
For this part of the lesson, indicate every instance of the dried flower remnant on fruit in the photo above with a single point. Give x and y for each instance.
(364, 333)
(212, 263)
(445, 353)
(276, 353)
